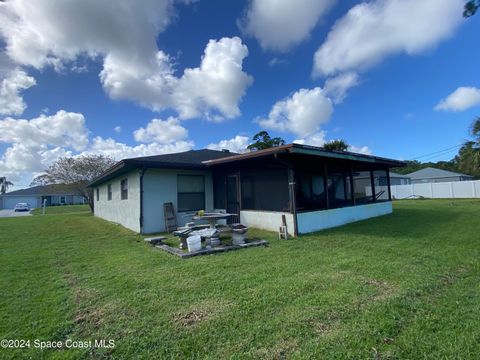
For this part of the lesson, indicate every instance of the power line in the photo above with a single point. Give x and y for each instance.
(451, 148)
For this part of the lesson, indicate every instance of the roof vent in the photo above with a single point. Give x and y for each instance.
(225, 150)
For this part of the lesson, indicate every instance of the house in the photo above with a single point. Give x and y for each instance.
(399, 179)
(432, 175)
(35, 196)
(312, 188)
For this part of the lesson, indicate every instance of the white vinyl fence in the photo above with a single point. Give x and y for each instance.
(442, 190)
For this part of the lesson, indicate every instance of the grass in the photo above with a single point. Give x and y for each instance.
(402, 286)
(64, 209)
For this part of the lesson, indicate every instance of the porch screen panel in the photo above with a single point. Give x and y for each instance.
(219, 191)
(381, 187)
(311, 192)
(339, 194)
(362, 185)
(190, 192)
(265, 189)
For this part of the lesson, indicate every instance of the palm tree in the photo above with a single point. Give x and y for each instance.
(4, 185)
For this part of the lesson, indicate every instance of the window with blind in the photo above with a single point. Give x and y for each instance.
(124, 189)
(190, 192)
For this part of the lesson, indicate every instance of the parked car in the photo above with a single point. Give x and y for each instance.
(22, 207)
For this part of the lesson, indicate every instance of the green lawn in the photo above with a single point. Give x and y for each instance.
(64, 209)
(405, 286)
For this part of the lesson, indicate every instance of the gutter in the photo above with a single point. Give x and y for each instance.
(142, 173)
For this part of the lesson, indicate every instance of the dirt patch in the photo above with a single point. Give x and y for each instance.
(281, 350)
(384, 289)
(200, 312)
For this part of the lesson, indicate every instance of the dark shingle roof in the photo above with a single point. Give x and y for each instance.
(43, 191)
(192, 159)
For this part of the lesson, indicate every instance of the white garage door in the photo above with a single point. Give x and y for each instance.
(10, 202)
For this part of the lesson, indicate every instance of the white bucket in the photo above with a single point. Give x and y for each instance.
(194, 243)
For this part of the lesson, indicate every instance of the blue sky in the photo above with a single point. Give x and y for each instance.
(414, 87)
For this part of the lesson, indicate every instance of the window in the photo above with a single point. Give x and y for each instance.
(265, 189)
(98, 194)
(62, 200)
(109, 192)
(124, 189)
(190, 192)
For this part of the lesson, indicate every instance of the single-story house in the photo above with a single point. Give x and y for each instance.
(311, 188)
(399, 179)
(433, 175)
(35, 196)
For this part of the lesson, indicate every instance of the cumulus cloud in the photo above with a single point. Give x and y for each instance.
(13, 81)
(120, 151)
(371, 31)
(117, 129)
(34, 144)
(337, 87)
(65, 129)
(461, 99)
(238, 144)
(316, 139)
(161, 131)
(280, 24)
(302, 113)
(360, 149)
(123, 35)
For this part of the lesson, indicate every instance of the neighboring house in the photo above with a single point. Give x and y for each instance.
(399, 179)
(312, 188)
(34, 196)
(432, 175)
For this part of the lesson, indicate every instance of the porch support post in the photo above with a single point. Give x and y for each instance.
(352, 185)
(373, 185)
(388, 185)
(292, 198)
(325, 185)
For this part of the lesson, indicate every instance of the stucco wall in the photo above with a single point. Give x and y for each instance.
(160, 186)
(267, 220)
(324, 219)
(124, 212)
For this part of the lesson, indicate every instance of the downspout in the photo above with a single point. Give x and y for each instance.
(291, 190)
(142, 173)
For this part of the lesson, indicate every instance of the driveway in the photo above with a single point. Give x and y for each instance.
(11, 213)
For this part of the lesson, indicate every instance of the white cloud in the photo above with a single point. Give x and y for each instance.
(238, 144)
(360, 149)
(317, 139)
(161, 131)
(337, 87)
(280, 24)
(461, 99)
(371, 31)
(123, 34)
(302, 113)
(64, 129)
(117, 129)
(120, 151)
(34, 144)
(13, 81)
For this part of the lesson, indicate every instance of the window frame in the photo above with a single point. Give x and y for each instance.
(98, 194)
(124, 192)
(179, 209)
(109, 192)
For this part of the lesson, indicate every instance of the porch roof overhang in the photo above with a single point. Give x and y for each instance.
(308, 151)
